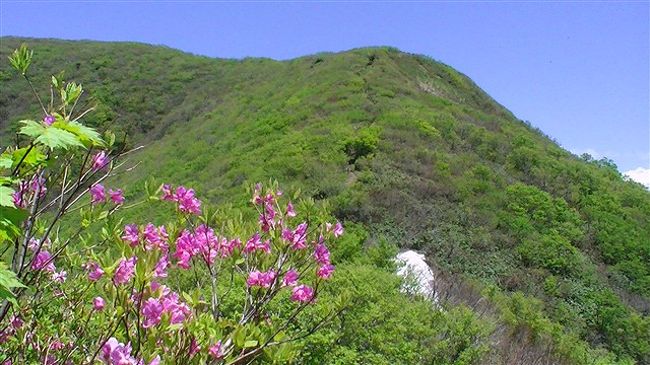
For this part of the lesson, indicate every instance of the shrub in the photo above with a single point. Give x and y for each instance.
(82, 287)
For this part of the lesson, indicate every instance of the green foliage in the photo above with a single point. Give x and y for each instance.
(552, 252)
(21, 58)
(413, 333)
(437, 165)
(51, 137)
(8, 281)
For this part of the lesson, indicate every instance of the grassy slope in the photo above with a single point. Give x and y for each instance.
(407, 147)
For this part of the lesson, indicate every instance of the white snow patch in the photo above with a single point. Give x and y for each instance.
(414, 266)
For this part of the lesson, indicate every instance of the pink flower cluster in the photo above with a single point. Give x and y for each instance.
(48, 120)
(98, 304)
(290, 278)
(255, 244)
(98, 195)
(187, 203)
(99, 161)
(94, 271)
(202, 242)
(269, 217)
(216, 351)
(296, 238)
(153, 237)
(302, 293)
(26, 189)
(125, 270)
(43, 260)
(261, 279)
(322, 256)
(167, 303)
(116, 353)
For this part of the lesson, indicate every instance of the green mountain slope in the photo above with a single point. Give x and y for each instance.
(407, 151)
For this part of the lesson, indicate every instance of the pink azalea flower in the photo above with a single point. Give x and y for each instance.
(97, 194)
(125, 270)
(265, 247)
(267, 219)
(302, 294)
(131, 234)
(18, 197)
(215, 351)
(184, 249)
(261, 279)
(37, 184)
(116, 353)
(16, 322)
(94, 271)
(325, 271)
(290, 211)
(99, 161)
(152, 311)
(160, 271)
(338, 229)
(122, 355)
(98, 304)
(108, 348)
(56, 345)
(206, 243)
(155, 237)
(187, 203)
(167, 193)
(255, 243)
(43, 261)
(290, 278)
(48, 120)
(59, 277)
(177, 310)
(34, 243)
(194, 347)
(298, 237)
(322, 254)
(226, 247)
(117, 196)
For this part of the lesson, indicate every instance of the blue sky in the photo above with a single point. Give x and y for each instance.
(577, 70)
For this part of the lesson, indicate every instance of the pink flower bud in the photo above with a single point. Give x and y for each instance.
(98, 304)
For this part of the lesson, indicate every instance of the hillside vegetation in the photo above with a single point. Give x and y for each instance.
(542, 256)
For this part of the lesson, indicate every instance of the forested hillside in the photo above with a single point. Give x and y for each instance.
(541, 256)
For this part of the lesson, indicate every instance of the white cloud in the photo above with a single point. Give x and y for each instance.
(640, 175)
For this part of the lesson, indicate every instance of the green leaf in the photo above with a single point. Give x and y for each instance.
(31, 128)
(6, 199)
(54, 138)
(21, 59)
(72, 92)
(8, 281)
(6, 161)
(51, 137)
(239, 336)
(250, 343)
(88, 136)
(33, 158)
(57, 81)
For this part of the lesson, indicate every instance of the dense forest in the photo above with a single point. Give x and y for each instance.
(540, 256)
